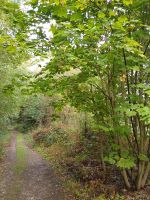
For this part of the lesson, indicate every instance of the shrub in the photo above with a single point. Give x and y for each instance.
(4, 141)
(50, 136)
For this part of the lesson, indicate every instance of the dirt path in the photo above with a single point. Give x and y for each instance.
(32, 180)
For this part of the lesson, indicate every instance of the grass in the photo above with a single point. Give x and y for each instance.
(78, 190)
(29, 139)
(21, 155)
(4, 141)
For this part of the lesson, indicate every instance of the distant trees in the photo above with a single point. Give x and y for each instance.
(33, 112)
(12, 53)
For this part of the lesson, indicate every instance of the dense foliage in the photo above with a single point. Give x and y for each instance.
(32, 112)
(12, 54)
(97, 78)
(100, 64)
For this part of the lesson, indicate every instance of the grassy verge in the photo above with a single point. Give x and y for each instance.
(29, 139)
(4, 141)
(21, 155)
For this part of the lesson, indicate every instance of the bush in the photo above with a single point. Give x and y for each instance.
(4, 141)
(49, 136)
(39, 135)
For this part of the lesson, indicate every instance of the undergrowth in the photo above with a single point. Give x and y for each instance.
(71, 158)
(4, 141)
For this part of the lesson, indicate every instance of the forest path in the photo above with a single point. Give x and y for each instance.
(26, 176)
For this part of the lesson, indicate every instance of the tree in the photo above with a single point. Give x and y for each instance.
(12, 54)
(100, 65)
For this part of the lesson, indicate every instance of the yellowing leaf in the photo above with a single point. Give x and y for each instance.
(122, 19)
(101, 15)
(127, 2)
(125, 163)
(63, 2)
(123, 77)
(112, 13)
(118, 25)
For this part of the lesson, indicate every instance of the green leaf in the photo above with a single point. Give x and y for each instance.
(101, 15)
(76, 16)
(126, 163)
(143, 157)
(130, 113)
(136, 68)
(127, 2)
(122, 19)
(60, 11)
(118, 25)
(112, 13)
(122, 130)
(147, 92)
(53, 28)
(110, 160)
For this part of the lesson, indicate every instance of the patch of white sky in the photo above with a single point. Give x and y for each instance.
(36, 63)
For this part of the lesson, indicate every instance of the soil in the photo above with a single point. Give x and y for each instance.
(37, 182)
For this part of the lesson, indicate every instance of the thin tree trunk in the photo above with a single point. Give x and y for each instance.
(145, 176)
(126, 179)
(140, 175)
